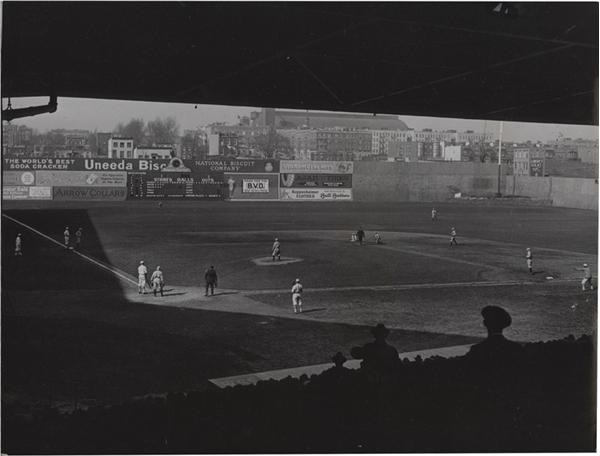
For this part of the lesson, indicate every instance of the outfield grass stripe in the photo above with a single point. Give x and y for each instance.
(111, 269)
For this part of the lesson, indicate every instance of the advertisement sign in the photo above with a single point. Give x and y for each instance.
(11, 192)
(255, 186)
(82, 178)
(250, 186)
(40, 193)
(85, 164)
(315, 194)
(312, 167)
(294, 180)
(18, 178)
(17, 164)
(238, 166)
(89, 193)
(536, 167)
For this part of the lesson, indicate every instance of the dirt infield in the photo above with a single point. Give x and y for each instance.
(62, 307)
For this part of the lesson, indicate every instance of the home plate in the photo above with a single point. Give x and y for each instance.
(268, 261)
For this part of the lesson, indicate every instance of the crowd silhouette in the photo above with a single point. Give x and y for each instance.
(501, 396)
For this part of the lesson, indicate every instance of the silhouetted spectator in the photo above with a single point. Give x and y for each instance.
(338, 370)
(496, 347)
(377, 356)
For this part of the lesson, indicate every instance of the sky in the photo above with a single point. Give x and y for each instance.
(104, 115)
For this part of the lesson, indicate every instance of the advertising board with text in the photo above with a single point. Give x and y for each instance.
(82, 178)
(536, 167)
(18, 178)
(10, 192)
(236, 166)
(251, 186)
(295, 180)
(316, 167)
(315, 194)
(89, 193)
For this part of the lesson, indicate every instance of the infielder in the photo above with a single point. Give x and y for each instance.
(276, 250)
(142, 273)
(587, 277)
(529, 258)
(453, 237)
(158, 281)
(377, 238)
(297, 296)
(433, 215)
(67, 236)
(78, 235)
(18, 251)
(360, 234)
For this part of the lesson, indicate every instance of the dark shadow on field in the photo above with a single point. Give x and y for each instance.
(319, 309)
(225, 293)
(37, 358)
(175, 294)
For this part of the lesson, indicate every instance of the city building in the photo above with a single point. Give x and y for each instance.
(403, 150)
(154, 152)
(451, 152)
(521, 163)
(381, 139)
(120, 147)
(282, 119)
(331, 144)
(453, 136)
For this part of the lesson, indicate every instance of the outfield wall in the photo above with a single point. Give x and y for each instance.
(422, 181)
(562, 191)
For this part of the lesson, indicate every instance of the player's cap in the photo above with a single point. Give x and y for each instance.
(158, 268)
(380, 330)
(528, 248)
(276, 239)
(142, 262)
(297, 280)
(585, 264)
(18, 234)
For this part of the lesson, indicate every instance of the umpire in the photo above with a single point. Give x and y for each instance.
(210, 276)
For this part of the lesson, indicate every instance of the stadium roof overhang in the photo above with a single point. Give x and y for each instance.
(510, 61)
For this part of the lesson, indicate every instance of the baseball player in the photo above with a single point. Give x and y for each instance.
(360, 234)
(433, 215)
(78, 235)
(587, 277)
(353, 238)
(529, 258)
(276, 250)
(67, 235)
(297, 296)
(210, 277)
(18, 251)
(158, 281)
(142, 273)
(453, 237)
(377, 238)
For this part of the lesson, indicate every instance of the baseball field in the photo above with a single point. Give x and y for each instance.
(76, 332)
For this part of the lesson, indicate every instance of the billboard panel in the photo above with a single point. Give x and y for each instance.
(40, 193)
(315, 194)
(20, 164)
(536, 167)
(237, 166)
(89, 193)
(178, 186)
(82, 178)
(320, 167)
(16, 178)
(251, 186)
(12, 192)
(295, 180)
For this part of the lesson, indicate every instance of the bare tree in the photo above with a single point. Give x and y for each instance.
(162, 131)
(135, 129)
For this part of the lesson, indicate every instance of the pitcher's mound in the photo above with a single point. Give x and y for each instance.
(268, 261)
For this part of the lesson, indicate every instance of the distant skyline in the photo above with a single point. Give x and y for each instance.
(104, 115)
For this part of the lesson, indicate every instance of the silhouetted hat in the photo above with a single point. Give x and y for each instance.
(339, 358)
(380, 330)
(496, 317)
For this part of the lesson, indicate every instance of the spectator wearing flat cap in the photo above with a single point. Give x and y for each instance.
(496, 347)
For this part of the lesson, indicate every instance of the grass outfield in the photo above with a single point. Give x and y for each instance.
(74, 331)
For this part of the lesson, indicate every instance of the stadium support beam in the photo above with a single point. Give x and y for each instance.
(9, 113)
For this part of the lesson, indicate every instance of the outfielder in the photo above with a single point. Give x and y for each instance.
(67, 236)
(158, 281)
(297, 296)
(433, 215)
(276, 250)
(18, 251)
(78, 235)
(377, 238)
(142, 273)
(587, 277)
(453, 237)
(529, 258)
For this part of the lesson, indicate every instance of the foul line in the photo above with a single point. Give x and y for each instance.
(114, 270)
